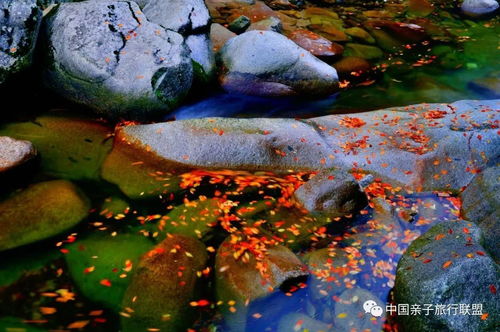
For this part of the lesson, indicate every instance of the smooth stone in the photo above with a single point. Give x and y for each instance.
(219, 35)
(360, 34)
(330, 32)
(41, 211)
(333, 193)
(363, 51)
(19, 25)
(269, 64)
(101, 256)
(14, 153)
(349, 64)
(476, 8)
(239, 24)
(203, 57)
(448, 266)
(420, 8)
(109, 57)
(158, 294)
(70, 148)
(269, 24)
(317, 45)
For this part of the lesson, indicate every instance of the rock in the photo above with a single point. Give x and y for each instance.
(481, 203)
(302, 323)
(350, 314)
(268, 64)
(360, 34)
(420, 8)
(203, 57)
(476, 8)
(269, 24)
(330, 32)
(418, 147)
(94, 52)
(191, 19)
(41, 211)
(350, 64)
(14, 153)
(331, 193)
(19, 24)
(239, 24)
(101, 265)
(284, 4)
(239, 280)
(159, 295)
(447, 266)
(183, 16)
(70, 148)
(317, 45)
(219, 35)
(363, 51)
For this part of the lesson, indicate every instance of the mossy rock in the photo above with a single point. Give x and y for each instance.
(41, 211)
(363, 51)
(98, 265)
(70, 148)
(159, 295)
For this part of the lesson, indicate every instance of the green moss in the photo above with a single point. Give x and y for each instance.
(106, 257)
(39, 212)
(70, 148)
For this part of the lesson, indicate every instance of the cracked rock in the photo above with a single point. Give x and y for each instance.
(267, 63)
(108, 56)
(19, 25)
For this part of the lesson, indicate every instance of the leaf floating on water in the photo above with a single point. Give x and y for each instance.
(447, 264)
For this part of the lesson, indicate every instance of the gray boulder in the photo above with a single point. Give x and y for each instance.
(108, 56)
(191, 19)
(14, 152)
(481, 203)
(334, 193)
(475, 8)
(269, 64)
(19, 24)
(447, 266)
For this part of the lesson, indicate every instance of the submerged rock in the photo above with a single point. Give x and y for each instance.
(108, 56)
(447, 266)
(331, 193)
(164, 283)
(239, 279)
(14, 153)
(239, 24)
(302, 323)
(19, 24)
(70, 148)
(269, 64)
(101, 265)
(269, 24)
(475, 8)
(41, 211)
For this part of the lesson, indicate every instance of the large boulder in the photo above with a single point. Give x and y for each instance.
(19, 24)
(14, 152)
(165, 282)
(448, 267)
(419, 147)
(475, 8)
(108, 56)
(481, 203)
(269, 64)
(43, 210)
